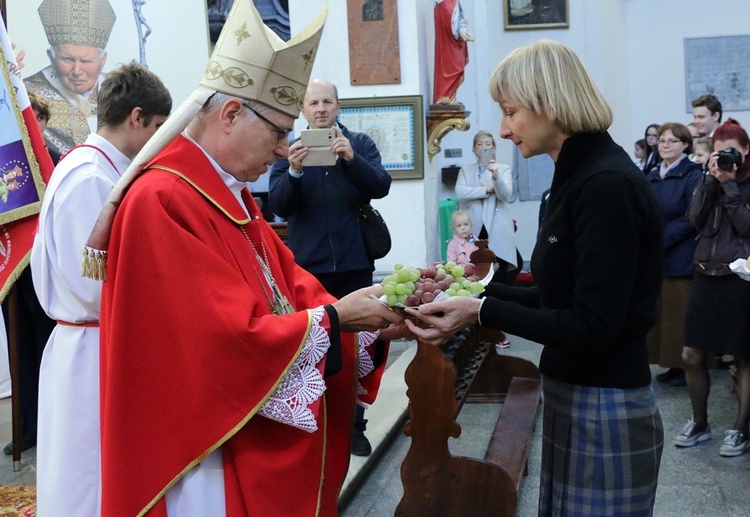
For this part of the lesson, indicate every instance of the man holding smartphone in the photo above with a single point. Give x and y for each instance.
(319, 203)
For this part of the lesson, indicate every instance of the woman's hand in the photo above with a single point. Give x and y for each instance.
(494, 168)
(443, 319)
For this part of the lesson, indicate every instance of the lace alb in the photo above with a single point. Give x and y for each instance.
(303, 384)
(366, 366)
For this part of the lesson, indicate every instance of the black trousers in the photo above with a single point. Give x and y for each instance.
(339, 285)
(506, 272)
(33, 330)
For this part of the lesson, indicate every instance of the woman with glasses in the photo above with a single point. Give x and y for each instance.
(597, 269)
(673, 183)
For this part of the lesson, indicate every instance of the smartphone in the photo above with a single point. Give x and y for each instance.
(318, 143)
(487, 155)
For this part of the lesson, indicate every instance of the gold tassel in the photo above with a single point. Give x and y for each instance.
(94, 264)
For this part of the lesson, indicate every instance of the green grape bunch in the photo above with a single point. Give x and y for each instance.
(411, 287)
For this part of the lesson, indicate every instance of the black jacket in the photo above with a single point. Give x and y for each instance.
(324, 233)
(597, 264)
(721, 212)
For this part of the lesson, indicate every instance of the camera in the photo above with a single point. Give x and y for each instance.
(728, 158)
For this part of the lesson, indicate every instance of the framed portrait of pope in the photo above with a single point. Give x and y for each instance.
(70, 45)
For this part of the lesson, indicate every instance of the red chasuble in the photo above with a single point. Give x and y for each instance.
(190, 351)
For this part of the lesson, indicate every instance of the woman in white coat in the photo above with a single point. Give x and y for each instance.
(484, 191)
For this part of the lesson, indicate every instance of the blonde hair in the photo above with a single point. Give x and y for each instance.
(460, 213)
(549, 79)
(703, 141)
(480, 134)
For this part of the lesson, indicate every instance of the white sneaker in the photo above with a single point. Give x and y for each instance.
(502, 345)
(735, 443)
(689, 436)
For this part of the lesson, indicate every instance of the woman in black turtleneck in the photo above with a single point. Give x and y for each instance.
(597, 264)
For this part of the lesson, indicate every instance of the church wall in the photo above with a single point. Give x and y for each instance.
(632, 48)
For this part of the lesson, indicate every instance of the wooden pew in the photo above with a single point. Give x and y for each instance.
(440, 381)
(281, 230)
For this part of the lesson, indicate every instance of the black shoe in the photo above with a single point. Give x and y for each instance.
(360, 444)
(721, 364)
(26, 444)
(678, 381)
(670, 374)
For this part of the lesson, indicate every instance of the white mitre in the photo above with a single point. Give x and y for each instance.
(249, 61)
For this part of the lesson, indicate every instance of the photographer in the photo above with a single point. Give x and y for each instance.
(317, 201)
(484, 189)
(719, 210)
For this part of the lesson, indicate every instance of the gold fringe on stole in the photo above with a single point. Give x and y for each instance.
(94, 264)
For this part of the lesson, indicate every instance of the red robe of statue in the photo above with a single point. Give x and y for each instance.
(190, 351)
(451, 54)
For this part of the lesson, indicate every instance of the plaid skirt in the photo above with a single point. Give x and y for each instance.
(601, 451)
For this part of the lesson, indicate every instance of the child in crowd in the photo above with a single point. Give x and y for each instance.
(640, 152)
(702, 149)
(461, 246)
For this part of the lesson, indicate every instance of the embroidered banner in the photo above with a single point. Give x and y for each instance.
(25, 168)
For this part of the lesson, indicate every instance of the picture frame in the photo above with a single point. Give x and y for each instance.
(535, 14)
(396, 124)
(726, 77)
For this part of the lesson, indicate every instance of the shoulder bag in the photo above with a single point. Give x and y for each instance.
(374, 230)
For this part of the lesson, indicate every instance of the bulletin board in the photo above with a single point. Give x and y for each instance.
(719, 65)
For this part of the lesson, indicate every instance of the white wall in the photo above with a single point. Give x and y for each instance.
(632, 48)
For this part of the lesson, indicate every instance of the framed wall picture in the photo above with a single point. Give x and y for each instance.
(726, 77)
(535, 14)
(396, 124)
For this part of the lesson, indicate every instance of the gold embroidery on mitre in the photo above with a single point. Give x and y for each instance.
(232, 76)
(287, 96)
(242, 33)
(308, 57)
